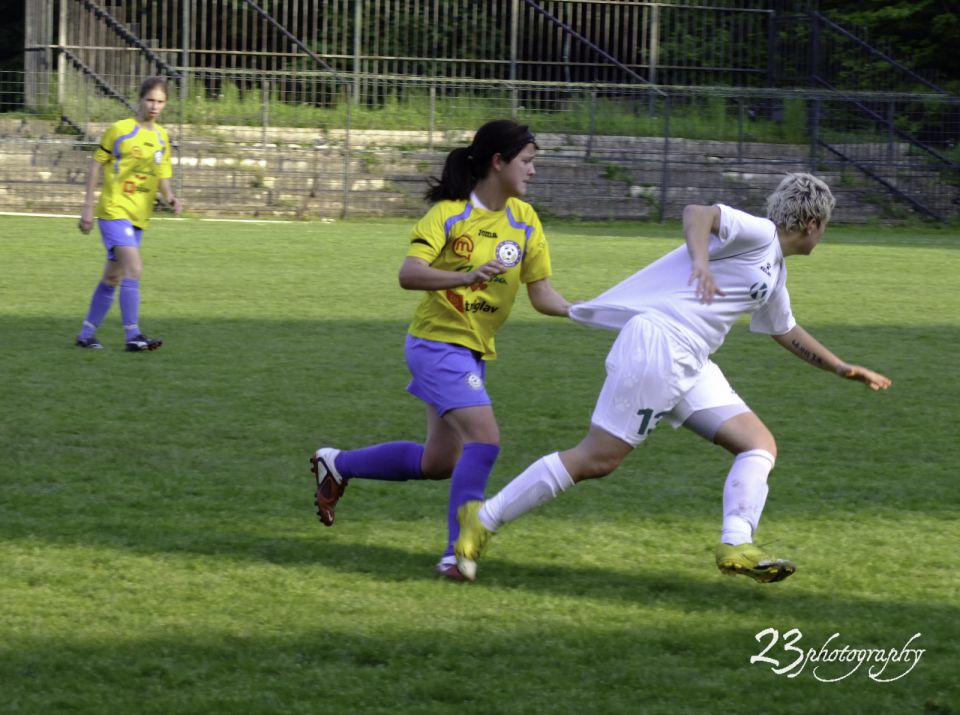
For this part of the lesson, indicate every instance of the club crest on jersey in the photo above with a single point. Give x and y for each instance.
(758, 291)
(508, 253)
(158, 156)
(474, 381)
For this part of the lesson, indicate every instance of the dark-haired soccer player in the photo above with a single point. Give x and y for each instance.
(469, 255)
(671, 316)
(134, 158)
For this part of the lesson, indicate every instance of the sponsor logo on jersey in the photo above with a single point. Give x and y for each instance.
(463, 246)
(508, 253)
(758, 291)
(470, 306)
(479, 306)
(456, 300)
(488, 234)
(129, 187)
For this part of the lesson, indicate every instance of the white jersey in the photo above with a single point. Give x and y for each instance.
(747, 264)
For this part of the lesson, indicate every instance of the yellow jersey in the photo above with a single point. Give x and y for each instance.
(459, 236)
(134, 160)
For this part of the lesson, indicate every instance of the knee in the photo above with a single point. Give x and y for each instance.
(768, 445)
(767, 453)
(438, 467)
(596, 465)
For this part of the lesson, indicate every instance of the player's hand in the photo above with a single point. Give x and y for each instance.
(85, 224)
(873, 380)
(485, 272)
(706, 288)
(176, 204)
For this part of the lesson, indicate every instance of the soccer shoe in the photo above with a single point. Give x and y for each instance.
(141, 342)
(750, 560)
(330, 485)
(90, 343)
(473, 538)
(447, 568)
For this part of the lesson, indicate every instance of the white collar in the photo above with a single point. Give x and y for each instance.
(475, 200)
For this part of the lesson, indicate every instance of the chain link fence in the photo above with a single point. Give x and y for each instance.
(259, 146)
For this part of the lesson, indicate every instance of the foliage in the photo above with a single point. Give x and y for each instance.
(710, 117)
(922, 32)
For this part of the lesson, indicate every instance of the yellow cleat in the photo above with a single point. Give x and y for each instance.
(473, 537)
(750, 560)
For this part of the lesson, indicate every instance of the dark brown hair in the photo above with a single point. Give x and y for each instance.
(465, 166)
(152, 83)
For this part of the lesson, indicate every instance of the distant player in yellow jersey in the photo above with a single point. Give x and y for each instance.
(134, 158)
(469, 254)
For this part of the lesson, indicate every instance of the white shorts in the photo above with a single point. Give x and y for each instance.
(652, 376)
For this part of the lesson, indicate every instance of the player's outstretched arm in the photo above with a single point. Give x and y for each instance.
(810, 350)
(545, 298)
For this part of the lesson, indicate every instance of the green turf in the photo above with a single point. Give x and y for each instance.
(159, 552)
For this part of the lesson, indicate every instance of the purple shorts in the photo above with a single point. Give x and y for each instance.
(118, 232)
(445, 376)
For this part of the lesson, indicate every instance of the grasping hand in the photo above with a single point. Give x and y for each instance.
(484, 273)
(873, 380)
(706, 284)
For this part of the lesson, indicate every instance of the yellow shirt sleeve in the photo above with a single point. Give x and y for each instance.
(536, 262)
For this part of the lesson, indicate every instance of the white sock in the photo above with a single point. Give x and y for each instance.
(744, 495)
(540, 482)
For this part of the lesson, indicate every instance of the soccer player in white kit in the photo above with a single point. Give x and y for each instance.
(671, 316)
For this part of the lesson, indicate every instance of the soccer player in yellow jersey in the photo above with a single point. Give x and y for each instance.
(134, 158)
(469, 254)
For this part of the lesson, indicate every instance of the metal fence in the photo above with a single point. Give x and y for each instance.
(608, 151)
(689, 43)
(723, 71)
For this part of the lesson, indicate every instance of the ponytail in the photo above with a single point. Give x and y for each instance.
(456, 181)
(464, 167)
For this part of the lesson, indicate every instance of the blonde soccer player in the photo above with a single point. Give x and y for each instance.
(134, 160)
(671, 316)
(469, 255)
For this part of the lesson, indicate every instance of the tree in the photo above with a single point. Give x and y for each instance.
(920, 33)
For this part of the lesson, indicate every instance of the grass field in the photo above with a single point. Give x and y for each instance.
(159, 551)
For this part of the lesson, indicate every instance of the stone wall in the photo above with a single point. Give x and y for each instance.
(301, 173)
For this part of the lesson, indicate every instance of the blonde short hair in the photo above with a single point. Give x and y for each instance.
(799, 198)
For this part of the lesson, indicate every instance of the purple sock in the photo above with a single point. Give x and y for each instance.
(130, 306)
(99, 307)
(468, 482)
(391, 461)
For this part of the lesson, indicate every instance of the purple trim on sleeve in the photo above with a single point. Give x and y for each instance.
(116, 147)
(448, 224)
(527, 229)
